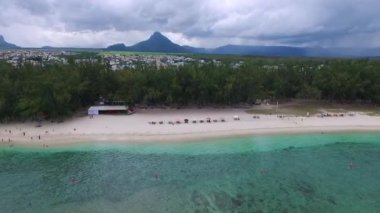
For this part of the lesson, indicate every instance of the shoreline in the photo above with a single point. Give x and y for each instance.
(136, 128)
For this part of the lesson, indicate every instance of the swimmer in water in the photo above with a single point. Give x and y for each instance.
(72, 179)
(157, 175)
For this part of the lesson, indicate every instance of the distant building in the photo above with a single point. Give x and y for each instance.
(103, 106)
(97, 110)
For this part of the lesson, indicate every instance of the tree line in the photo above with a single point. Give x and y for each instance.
(58, 90)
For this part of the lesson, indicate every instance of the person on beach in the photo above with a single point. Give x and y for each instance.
(39, 137)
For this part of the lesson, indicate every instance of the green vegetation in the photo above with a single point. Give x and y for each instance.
(58, 90)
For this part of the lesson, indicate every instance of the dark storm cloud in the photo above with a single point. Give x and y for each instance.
(200, 22)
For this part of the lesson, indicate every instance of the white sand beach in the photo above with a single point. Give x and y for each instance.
(136, 127)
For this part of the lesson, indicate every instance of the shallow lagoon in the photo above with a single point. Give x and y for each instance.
(279, 173)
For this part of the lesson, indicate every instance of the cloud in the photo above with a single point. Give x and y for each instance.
(209, 23)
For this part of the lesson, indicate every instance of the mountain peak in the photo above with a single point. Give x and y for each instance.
(157, 36)
(156, 43)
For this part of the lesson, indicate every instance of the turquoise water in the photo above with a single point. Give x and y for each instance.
(282, 173)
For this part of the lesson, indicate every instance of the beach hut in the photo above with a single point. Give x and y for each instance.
(93, 111)
(97, 110)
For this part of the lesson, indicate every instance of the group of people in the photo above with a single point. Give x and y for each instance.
(187, 121)
(194, 121)
(9, 135)
(322, 115)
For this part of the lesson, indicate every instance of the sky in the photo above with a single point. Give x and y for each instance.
(199, 23)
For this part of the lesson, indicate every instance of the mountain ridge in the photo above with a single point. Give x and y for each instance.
(6, 45)
(159, 43)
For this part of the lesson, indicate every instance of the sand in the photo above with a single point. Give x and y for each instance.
(136, 127)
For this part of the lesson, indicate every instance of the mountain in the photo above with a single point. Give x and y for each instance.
(156, 43)
(159, 43)
(6, 45)
(117, 47)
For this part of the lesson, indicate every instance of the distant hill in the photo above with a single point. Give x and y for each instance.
(6, 45)
(156, 43)
(260, 50)
(117, 47)
(196, 49)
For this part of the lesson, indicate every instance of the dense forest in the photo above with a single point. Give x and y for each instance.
(58, 90)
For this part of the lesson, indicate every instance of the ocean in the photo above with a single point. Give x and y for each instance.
(337, 172)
